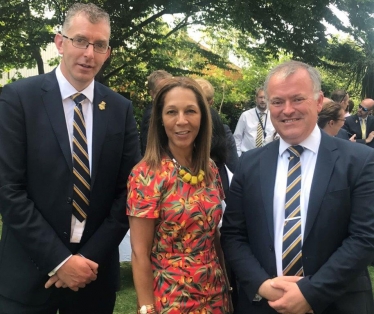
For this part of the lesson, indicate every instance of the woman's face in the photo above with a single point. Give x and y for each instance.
(181, 116)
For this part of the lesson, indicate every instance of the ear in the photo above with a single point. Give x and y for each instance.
(319, 102)
(58, 42)
(108, 53)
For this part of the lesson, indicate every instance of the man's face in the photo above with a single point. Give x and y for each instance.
(79, 66)
(293, 109)
(363, 111)
(260, 101)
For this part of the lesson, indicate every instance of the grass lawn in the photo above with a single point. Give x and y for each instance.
(126, 297)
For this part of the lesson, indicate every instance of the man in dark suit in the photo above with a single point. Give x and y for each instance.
(50, 239)
(362, 124)
(298, 229)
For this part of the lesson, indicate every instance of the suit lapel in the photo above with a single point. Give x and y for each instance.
(327, 155)
(356, 126)
(55, 111)
(100, 119)
(268, 169)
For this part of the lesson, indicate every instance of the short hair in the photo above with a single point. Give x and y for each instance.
(207, 88)
(157, 141)
(290, 67)
(259, 89)
(94, 14)
(155, 77)
(350, 106)
(330, 111)
(338, 95)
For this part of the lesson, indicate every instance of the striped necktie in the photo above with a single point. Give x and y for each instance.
(260, 131)
(291, 257)
(81, 166)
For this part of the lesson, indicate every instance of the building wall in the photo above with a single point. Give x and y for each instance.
(49, 53)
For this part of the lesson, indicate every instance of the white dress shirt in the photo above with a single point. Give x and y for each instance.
(67, 90)
(246, 130)
(308, 163)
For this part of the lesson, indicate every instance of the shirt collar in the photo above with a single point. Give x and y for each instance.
(258, 111)
(67, 89)
(311, 142)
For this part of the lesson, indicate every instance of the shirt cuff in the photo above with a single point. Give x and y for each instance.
(54, 271)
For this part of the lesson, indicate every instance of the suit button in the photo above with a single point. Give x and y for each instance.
(69, 200)
(271, 248)
(65, 235)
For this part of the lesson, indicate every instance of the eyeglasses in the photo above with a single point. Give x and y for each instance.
(81, 43)
(363, 108)
(341, 119)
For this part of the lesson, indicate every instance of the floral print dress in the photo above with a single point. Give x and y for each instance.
(187, 274)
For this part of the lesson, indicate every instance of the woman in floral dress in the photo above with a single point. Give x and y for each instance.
(174, 207)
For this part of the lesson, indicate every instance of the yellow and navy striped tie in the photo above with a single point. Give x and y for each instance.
(292, 255)
(81, 166)
(260, 131)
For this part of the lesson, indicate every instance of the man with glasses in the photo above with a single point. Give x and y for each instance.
(362, 124)
(68, 145)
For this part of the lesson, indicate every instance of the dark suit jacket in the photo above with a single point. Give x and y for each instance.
(232, 153)
(339, 232)
(352, 126)
(144, 126)
(36, 185)
(343, 134)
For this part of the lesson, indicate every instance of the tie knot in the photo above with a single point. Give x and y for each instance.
(295, 150)
(78, 98)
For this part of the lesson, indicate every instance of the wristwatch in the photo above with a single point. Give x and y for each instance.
(147, 309)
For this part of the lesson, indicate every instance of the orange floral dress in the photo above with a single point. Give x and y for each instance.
(187, 274)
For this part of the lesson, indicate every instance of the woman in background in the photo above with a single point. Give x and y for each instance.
(174, 207)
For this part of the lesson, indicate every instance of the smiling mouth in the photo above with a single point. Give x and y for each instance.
(86, 66)
(181, 133)
(290, 120)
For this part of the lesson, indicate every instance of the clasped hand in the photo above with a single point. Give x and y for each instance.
(284, 295)
(75, 273)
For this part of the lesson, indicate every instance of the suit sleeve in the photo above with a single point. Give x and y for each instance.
(234, 236)
(350, 260)
(232, 155)
(19, 213)
(114, 227)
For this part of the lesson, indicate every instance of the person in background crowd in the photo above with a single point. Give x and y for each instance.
(254, 127)
(174, 207)
(341, 97)
(350, 107)
(298, 229)
(331, 119)
(68, 145)
(153, 81)
(231, 158)
(361, 124)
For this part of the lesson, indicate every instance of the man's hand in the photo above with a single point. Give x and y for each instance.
(76, 273)
(369, 137)
(353, 138)
(271, 293)
(292, 301)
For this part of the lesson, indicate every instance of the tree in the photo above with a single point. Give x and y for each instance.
(290, 25)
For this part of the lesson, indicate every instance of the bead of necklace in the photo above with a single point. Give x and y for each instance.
(187, 176)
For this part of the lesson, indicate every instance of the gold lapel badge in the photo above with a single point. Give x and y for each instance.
(102, 105)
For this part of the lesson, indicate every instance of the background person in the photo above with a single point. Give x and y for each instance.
(174, 207)
(62, 203)
(361, 124)
(331, 118)
(231, 158)
(254, 127)
(298, 229)
(153, 81)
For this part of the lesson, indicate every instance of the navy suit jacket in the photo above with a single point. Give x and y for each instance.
(36, 185)
(352, 126)
(339, 232)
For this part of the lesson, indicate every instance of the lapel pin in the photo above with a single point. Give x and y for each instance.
(356, 121)
(102, 105)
